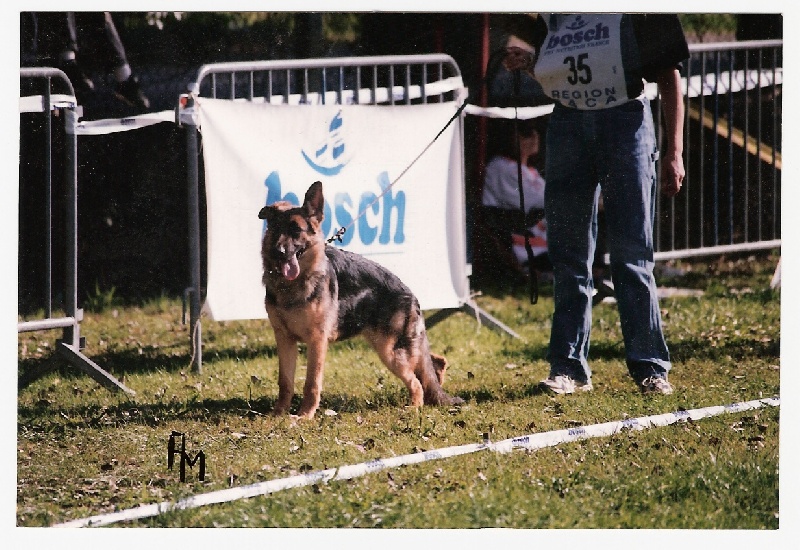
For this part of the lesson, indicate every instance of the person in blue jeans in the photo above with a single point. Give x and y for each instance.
(601, 140)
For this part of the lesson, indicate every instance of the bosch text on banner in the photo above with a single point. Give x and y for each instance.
(256, 154)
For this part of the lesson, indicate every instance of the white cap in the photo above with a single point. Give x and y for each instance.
(516, 42)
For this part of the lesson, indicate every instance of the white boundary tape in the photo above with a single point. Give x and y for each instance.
(112, 125)
(529, 442)
(35, 103)
(363, 96)
(696, 86)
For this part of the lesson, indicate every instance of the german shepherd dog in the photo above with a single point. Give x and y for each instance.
(318, 294)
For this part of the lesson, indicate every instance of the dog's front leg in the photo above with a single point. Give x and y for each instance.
(316, 351)
(287, 362)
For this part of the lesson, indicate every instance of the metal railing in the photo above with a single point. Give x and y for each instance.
(47, 103)
(351, 80)
(730, 201)
(371, 80)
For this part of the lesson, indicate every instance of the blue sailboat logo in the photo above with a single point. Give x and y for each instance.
(328, 157)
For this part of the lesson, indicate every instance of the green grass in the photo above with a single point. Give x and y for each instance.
(82, 450)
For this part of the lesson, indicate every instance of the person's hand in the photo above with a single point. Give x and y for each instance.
(517, 58)
(672, 174)
(672, 170)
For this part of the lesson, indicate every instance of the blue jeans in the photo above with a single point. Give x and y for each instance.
(613, 152)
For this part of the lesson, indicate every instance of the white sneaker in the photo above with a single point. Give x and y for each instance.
(564, 384)
(656, 384)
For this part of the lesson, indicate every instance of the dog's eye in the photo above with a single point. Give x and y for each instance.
(294, 229)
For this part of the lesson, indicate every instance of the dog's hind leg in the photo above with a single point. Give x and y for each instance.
(429, 369)
(397, 360)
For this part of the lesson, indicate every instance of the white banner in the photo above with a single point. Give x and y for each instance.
(256, 154)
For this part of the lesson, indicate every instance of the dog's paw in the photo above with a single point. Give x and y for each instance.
(305, 415)
(441, 398)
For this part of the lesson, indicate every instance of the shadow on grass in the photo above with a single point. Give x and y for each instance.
(134, 361)
(197, 408)
(732, 348)
(210, 409)
(697, 348)
(599, 350)
(193, 408)
(484, 395)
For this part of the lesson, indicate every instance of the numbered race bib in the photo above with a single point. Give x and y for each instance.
(580, 62)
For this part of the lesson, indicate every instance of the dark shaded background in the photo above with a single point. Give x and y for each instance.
(132, 209)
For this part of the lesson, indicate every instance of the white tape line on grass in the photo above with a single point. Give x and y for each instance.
(549, 439)
(531, 441)
(274, 485)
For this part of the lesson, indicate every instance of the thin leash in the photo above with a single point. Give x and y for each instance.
(533, 275)
(338, 235)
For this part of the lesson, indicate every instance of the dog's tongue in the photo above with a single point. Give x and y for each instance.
(291, 269)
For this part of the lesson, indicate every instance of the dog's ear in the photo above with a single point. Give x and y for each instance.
(314, 202)
(271, 210)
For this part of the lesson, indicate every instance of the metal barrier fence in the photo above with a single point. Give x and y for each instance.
(379, 80)
(353, 80)
(730, 201)
(732, 143)
(64, 105)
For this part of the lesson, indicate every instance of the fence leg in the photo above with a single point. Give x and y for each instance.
(72, 334)
(79, 360)
(195, 328)
(471, 308)
(69, 348)
(776, 277)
